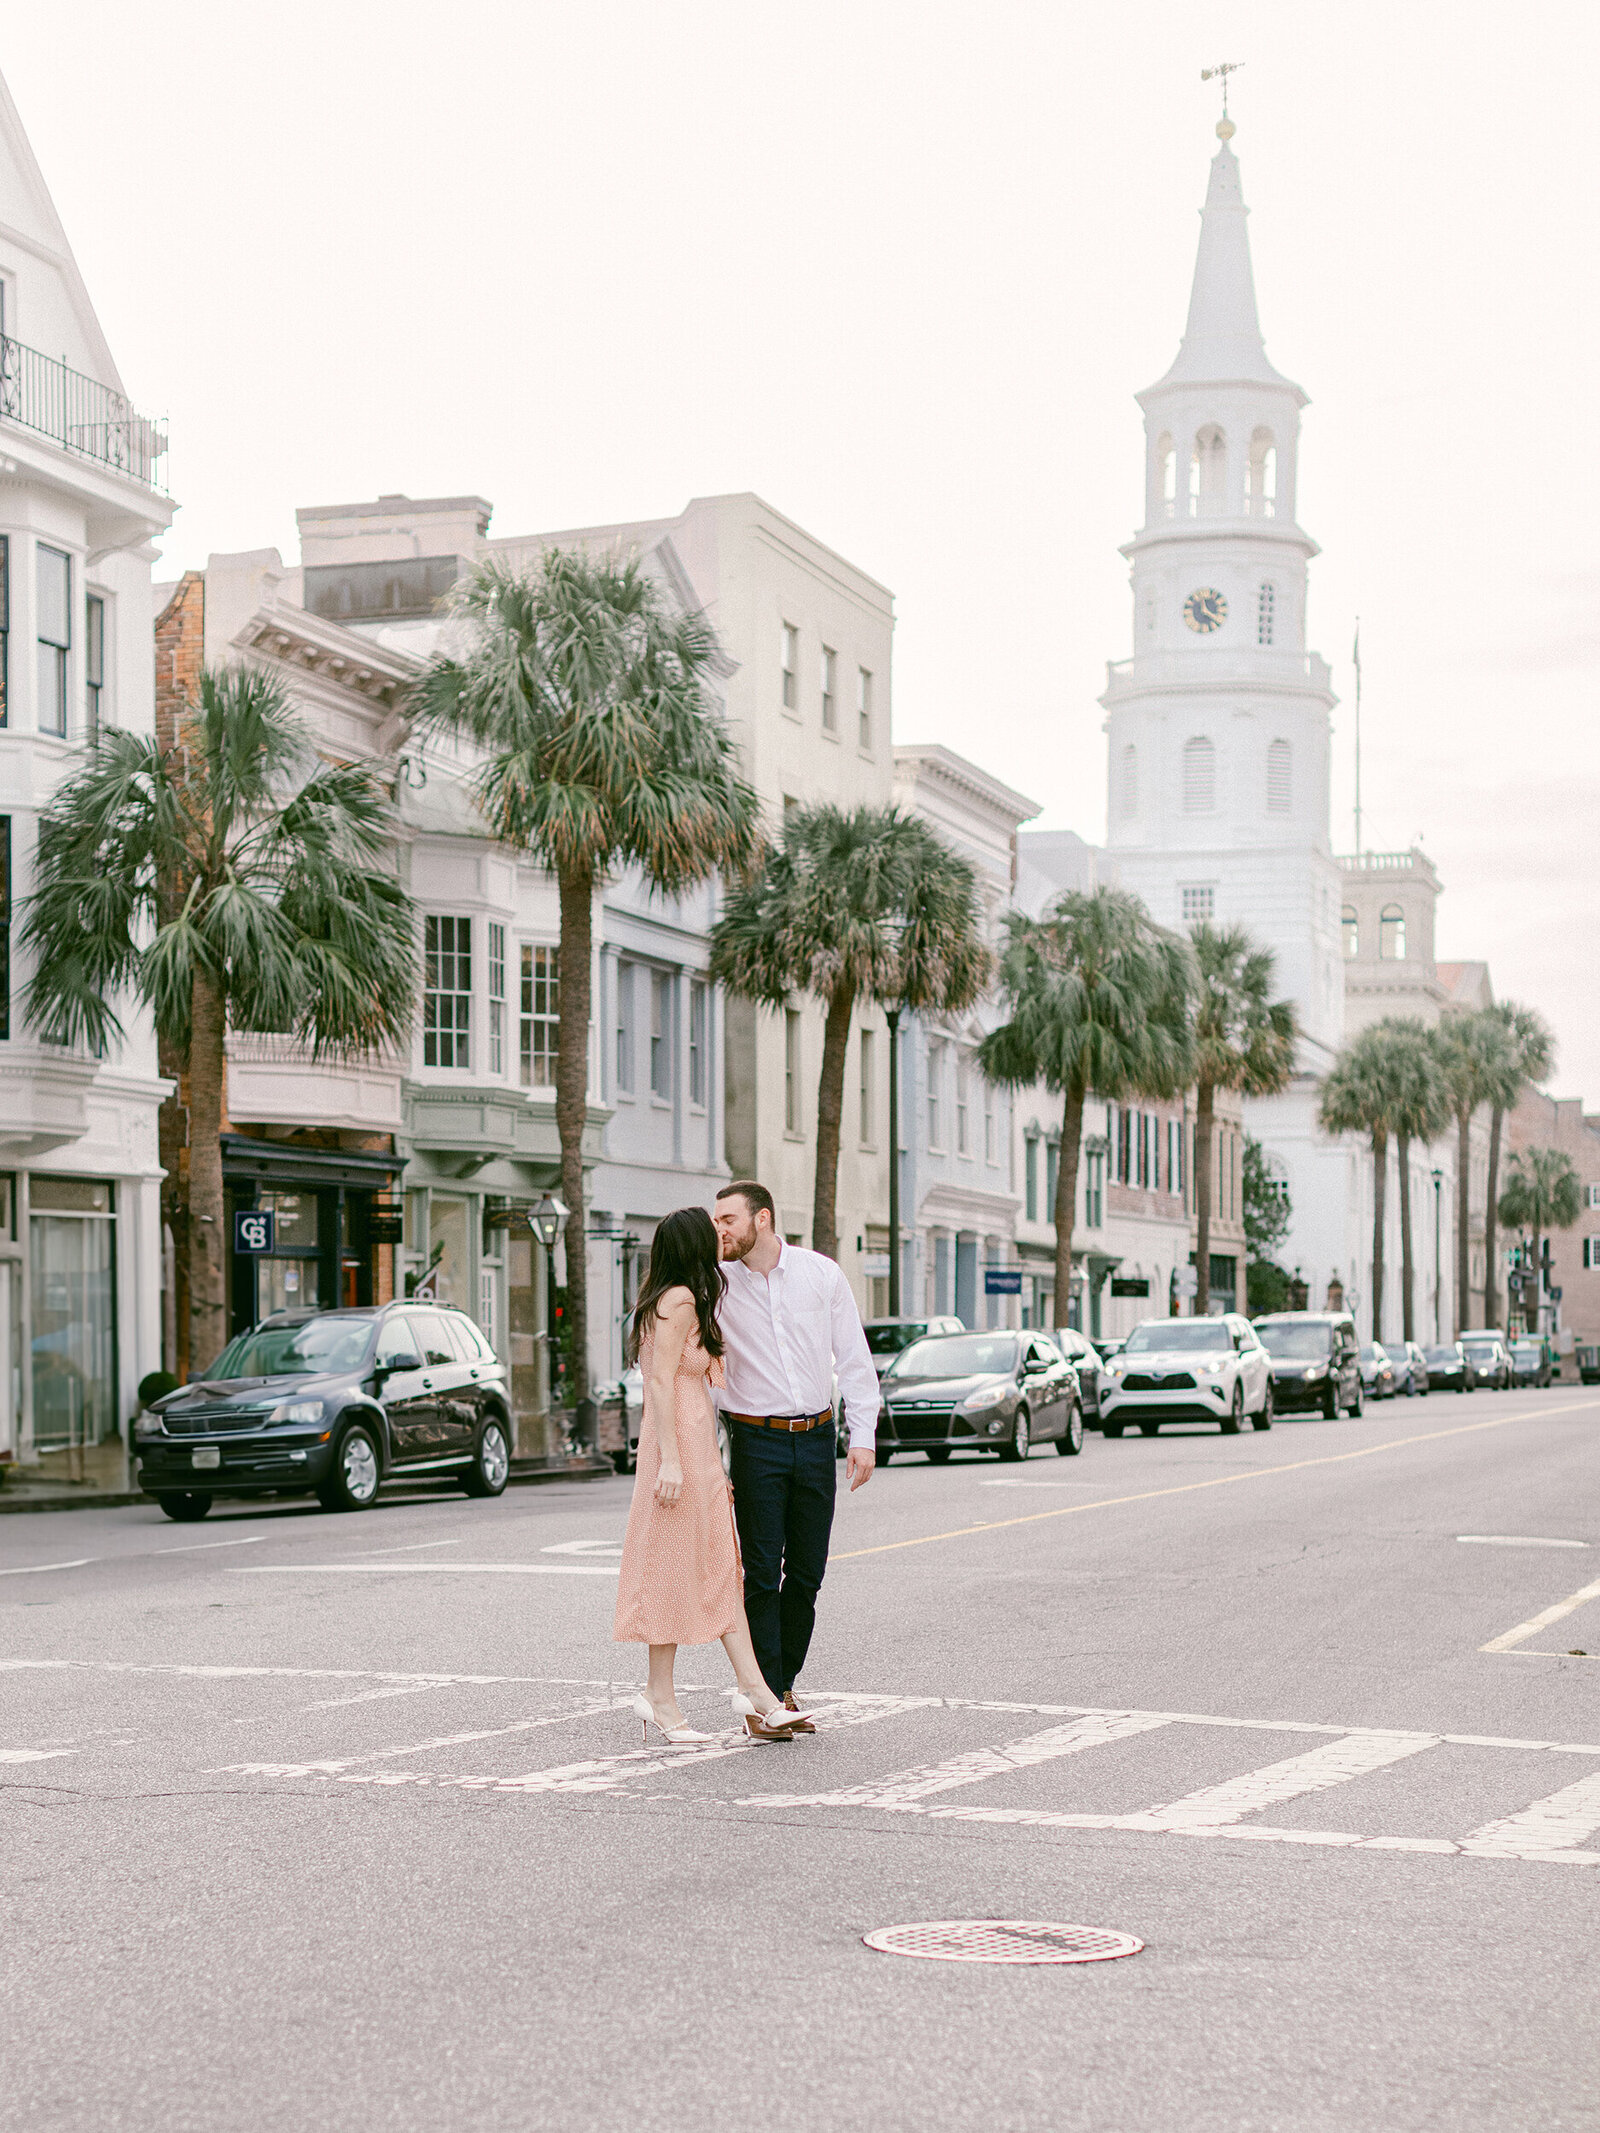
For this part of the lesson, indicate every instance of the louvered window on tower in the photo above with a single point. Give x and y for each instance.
(1130, 780)
(1199, 776)
(1266, 604)
(1280, 773)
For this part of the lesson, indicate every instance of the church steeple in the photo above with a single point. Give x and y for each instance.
(1222, 341)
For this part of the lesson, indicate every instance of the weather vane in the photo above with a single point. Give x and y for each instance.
(1221, 74)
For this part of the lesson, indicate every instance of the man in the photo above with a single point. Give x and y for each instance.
(789, 1322)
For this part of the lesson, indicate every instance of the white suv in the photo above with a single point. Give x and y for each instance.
(1187, 1370)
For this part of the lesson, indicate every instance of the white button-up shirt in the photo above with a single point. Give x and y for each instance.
(787, 1334)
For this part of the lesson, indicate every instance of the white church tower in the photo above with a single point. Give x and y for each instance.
(1219, 725)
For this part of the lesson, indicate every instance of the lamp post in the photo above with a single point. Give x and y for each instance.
(1438, 1183)
(893, 1018)
(545, 1222)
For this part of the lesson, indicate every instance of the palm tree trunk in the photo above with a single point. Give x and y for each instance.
(1204, 1105)
(830, 1112)
(1463, 1213)
(572, 1111)
(208, 1314)
(1067, 1197)
(1380, 1209)
(1403, 1150)
(1491, 1284)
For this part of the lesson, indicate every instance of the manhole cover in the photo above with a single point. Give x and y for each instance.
(1002, 1940)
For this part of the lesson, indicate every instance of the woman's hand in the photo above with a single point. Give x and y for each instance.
(669, 1482)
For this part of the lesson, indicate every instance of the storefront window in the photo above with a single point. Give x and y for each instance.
(447, 1236)
(286, 1278)
(73, 1338)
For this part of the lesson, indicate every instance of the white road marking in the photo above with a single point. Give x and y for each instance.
(1514, 1540)
(583, 1548)
(905, 1787)
(554, 1570)
(1552, 1826)
(1525, 1630)
(246, 1540)
(396, 1688)
(1047, 1484)
(33, 1755)
(1336, 1762)
(335, 1764)
(23, 1570)
(413, 1547)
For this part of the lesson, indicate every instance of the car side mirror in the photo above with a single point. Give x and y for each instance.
(394, 1363)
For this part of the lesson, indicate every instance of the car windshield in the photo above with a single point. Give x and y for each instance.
(306, 1350)
(1372, 1353)
(889, 1340)
(1178, 1336)
(1441, 1355)
(956, 1355)
(1480, 1347)
(1526, 1351)
(1299, 1343)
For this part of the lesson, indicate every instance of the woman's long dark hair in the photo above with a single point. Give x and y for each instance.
(683, 1255)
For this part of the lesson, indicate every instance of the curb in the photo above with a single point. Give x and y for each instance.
(106, 1501)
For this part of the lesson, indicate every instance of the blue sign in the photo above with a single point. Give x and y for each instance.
(253, 1229)
(1002, 1281)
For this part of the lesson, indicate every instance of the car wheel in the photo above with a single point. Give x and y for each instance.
(491, 1462)
(353, 1484)
(1111, 1429)
(1070, 1443)
(1330, 1404)
(1233, 1420)
(1021, 1438)
(938, 1455)
(1355, 1408)
(185, 1505)
(1149, 1429)
(1264, 1419)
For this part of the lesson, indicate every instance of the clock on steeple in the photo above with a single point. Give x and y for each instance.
(1205, 610)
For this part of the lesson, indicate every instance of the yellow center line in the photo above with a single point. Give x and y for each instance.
(1219, 1481)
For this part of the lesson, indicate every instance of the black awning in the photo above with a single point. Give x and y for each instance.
(286, 1162)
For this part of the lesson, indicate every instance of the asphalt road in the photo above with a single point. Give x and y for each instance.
(342, 1822)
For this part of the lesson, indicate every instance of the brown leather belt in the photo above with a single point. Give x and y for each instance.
(789, 1422)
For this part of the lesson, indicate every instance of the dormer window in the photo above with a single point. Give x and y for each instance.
(1261, 477)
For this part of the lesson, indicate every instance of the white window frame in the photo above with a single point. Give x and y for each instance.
(497, 998)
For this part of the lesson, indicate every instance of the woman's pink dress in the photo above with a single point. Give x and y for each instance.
(680, 1581)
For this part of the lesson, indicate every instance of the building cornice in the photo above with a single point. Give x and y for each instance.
(942, 766)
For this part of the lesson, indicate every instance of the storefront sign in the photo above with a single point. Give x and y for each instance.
(253, 1229)
(1002, 1281)
(1130, 1285)
(519, 1219)
(875, 1265)
(386, 1222)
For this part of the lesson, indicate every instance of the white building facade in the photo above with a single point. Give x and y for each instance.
(81, 500)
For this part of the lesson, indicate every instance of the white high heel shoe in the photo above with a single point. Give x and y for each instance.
(776, 1724)
(674, 1736)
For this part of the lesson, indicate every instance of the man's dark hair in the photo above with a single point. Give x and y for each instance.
(755, 1197)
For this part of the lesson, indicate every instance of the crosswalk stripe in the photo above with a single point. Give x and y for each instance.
(1336, 1762)
(906, 1788)
(1554, 1825)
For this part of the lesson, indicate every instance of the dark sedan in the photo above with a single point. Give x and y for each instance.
(1315, 1361)
(1530, 1363)
(979, 1392)
(335, 1403)
(1489, 1360)
(1448, 1368)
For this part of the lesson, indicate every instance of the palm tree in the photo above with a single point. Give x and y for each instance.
(1542, 1193)
(1244, 1040)
(1419, 1109)
(868, 905)
(1098, 998)
(1358, 1097)
(230, 882)
(603, 748)
(1533, 1057)
(1475, 1055)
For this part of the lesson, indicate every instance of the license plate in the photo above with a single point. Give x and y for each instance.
(207, 1455)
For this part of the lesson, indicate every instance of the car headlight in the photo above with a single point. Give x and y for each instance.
(1002, 1396)
(1317, 1370)
(298, 1411)
(147, 1424)
(1212, 1370)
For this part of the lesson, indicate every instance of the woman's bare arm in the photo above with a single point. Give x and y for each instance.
(675, 1321)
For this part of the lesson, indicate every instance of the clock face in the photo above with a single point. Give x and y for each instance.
(1205, 610)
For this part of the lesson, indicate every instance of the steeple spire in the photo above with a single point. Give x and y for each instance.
(1222, 341)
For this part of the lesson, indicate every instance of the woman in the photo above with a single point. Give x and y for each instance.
(680, 1581)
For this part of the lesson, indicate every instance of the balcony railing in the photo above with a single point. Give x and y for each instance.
(45, 395)
(1409, 862)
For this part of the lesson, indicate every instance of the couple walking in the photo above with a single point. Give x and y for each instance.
(729, 1307)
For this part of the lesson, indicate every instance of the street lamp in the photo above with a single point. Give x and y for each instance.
(547, 1218)
(1438, 1278)
(892, 1016)
(545, 1221)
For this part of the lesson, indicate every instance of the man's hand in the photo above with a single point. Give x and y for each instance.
(858, 1467)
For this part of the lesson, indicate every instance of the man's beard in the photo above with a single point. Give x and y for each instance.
(738, 1247)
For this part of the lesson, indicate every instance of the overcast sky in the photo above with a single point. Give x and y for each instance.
(900, 268)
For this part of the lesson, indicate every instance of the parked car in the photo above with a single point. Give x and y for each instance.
(1316, 1363)
(1530, 1363)
(1188, 1370)
(1410, 1367)
(1377, 1372)
(1588, 1362)
(886, 1337)
(982, 1392)
(333, 1403)
(1489, 1358)
(1081, 1353)
(1448, 1368)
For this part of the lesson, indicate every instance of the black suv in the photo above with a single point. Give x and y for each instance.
(333, 1402)
(1316, 1361)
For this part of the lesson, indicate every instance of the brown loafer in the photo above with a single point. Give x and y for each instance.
(789, 1704)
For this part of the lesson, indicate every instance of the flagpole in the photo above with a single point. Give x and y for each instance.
(1356, 655)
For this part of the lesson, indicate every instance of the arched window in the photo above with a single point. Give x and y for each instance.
(1199, 776)
(1208, 473)
(1167, 471)
(1266, 611)
(1352, 933)
(1280, 778)
(1392, 934)
(1128, 795)
(1261, 477)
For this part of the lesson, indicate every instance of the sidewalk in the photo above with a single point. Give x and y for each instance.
(53, 1495)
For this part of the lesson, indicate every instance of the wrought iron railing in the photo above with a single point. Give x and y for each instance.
(43, 394)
